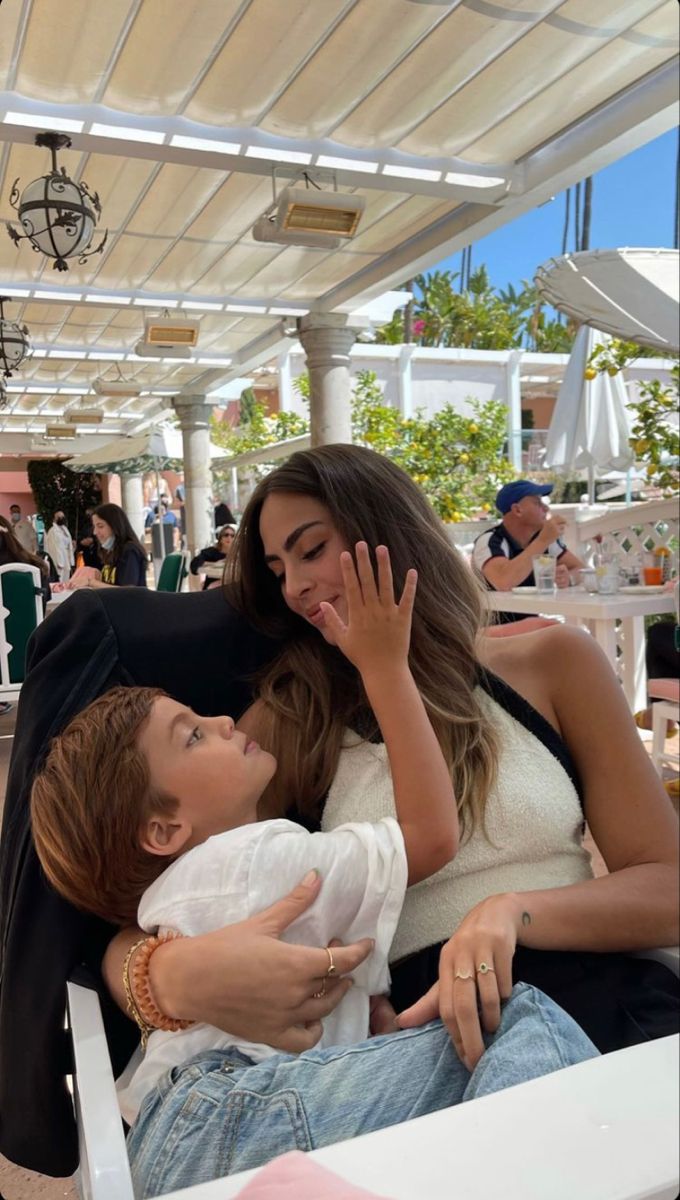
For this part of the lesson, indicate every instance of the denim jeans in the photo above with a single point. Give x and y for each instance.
(220, 1113)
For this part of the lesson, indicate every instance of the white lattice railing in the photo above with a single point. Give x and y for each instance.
(634, 528)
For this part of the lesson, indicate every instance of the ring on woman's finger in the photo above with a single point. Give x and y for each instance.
(463, 975)
(484, 968)
(332, 969)
(322, 991)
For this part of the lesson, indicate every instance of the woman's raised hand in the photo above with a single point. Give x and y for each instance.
(378, 630)
(475, 976)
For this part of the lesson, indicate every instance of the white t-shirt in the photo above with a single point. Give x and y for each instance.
(237, 874)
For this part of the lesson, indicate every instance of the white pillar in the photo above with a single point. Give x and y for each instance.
(285, 382)
(404, 381)
(133, 502)
(327, 340)
(194, 418)
(512, 376)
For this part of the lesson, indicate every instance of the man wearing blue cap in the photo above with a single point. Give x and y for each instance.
(504, 555)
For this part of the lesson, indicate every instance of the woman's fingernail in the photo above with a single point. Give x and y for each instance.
(311, 877)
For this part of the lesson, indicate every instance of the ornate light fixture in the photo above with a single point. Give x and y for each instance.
(14, 343)
(4, 398)
(57, 215)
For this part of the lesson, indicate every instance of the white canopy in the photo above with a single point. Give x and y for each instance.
(633, 294)
(589, 429)
(154, 450)
(450, 119)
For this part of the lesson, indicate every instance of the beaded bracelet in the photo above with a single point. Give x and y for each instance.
(140, 1002)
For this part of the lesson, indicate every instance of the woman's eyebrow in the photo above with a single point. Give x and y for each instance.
(292, 539)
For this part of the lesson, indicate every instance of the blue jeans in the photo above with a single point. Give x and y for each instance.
(220, 1113)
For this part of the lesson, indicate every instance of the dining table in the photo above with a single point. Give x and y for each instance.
(617, 622)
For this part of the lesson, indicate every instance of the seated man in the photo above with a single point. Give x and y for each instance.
(504, 555)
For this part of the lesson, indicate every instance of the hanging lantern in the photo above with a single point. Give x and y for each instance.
(57, 215)
(14, 343)
(4, 397)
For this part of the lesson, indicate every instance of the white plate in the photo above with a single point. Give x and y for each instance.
(641, 589)
(526, 591)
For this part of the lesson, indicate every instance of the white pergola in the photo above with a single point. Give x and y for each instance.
(450, 119)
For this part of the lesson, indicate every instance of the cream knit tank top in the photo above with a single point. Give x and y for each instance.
(533, 834)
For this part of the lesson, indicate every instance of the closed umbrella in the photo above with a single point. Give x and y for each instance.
(589, 428)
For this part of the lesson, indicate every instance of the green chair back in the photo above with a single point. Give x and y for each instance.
(172, 573)
(18, 593)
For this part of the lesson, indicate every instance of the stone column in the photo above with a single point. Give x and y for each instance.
(327, 340)
(133, 502)
(194, 418)
(514, 403)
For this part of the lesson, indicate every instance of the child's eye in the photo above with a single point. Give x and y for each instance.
(194, 736)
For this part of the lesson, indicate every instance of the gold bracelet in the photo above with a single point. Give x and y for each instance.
(144, 1028)
(141, 1003)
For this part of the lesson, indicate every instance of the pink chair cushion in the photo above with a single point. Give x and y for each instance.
(664, 689)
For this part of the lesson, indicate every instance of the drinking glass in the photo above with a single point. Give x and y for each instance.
(544, 573)
(652, 571)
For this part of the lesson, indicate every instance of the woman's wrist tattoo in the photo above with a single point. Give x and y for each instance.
(526, 918)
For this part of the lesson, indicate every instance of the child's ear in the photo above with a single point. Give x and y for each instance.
(165, 835)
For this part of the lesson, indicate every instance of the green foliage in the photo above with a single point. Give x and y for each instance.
(258, 430)
(54, 487)
(456, 459)
(478, 317)
(654, 431)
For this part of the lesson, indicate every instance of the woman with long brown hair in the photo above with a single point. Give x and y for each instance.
(121, 554)
(11, 551)
(538, 737)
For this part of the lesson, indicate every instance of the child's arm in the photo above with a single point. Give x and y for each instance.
(376, 639)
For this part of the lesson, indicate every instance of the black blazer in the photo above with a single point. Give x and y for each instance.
(99, 638)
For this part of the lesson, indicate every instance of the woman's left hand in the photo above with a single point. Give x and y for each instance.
(475, 972)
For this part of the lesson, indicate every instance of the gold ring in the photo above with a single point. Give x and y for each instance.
(463, 975)
(322, 991)
(484, 968)
(332, 969)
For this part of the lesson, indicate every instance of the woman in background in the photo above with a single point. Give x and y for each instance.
(12, 551)
(121, 554)
(214, 554)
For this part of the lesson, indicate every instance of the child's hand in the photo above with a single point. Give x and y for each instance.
(378, 630)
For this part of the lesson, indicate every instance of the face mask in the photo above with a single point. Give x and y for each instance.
(60, 520)
(107, 543)
(14, 517)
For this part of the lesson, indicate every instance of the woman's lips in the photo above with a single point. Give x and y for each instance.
(315, 615)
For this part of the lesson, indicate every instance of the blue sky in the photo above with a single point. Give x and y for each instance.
(633, 205)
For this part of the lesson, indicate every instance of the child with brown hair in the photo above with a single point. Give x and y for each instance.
(145, 811)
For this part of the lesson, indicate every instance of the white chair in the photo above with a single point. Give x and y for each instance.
(21, 617)
(650, 1076)
(666, 707)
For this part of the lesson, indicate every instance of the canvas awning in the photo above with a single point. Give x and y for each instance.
(632, 294)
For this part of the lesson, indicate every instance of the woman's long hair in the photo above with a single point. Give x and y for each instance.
(311, 692)
(11, 550)
(122, 531)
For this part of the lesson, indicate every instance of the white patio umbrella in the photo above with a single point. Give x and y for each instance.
(631, 293)
(589, 428)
